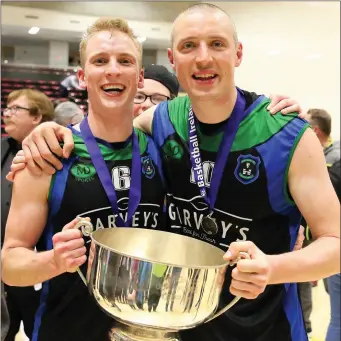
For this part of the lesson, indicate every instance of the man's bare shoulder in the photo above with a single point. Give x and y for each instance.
(308, 149)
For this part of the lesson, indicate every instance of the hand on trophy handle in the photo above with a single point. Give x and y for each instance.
(242, 255)
(251, 276)
(86, 228)
(232, 262)
(68, 247)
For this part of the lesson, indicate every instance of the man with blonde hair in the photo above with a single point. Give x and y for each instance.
(113, 177)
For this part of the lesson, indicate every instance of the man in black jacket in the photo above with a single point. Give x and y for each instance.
(26, 109)
(335, 177)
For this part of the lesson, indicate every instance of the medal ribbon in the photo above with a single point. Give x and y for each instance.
(230, 131)
(106, 179)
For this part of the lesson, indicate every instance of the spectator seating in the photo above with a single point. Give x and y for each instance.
(46, 80)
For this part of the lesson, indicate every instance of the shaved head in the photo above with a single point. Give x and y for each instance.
(203, 7)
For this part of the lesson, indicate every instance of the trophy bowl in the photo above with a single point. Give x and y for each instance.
(154, 283)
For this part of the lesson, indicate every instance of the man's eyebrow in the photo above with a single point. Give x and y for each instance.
(127, 54)
(213, 36)
(188, 38)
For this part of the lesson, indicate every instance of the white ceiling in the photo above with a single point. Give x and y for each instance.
(165, 11)
(144, 11)
(147, 11)
(17, 35)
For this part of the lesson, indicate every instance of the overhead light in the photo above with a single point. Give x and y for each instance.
(141, 39)
(33, 30)
(5, 61)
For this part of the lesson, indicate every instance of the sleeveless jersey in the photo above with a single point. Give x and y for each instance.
(253, 203)
(67, 311)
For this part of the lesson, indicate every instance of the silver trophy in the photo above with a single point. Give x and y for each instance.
(154, 283)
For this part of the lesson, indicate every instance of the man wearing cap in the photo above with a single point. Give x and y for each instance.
(159, 85)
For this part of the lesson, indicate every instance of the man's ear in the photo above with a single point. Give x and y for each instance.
(81, 79)
(171, 58)
(140, 83)
(37, 119)
(239, 54)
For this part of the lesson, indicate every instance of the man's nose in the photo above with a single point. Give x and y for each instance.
(113, 68)
(203, 57)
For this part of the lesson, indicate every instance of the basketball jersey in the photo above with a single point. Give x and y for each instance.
(253, 203)
(67, 311)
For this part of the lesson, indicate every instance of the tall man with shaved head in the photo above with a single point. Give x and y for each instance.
(238, 178)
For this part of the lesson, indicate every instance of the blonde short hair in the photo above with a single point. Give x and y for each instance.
(38, 102)
(108, 24)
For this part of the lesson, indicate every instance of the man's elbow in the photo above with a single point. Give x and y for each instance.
(335, 263)
(5, 272)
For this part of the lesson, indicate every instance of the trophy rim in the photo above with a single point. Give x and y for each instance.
(224, 263)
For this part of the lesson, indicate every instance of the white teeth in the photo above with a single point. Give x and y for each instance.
(204, 76)
(113, 87)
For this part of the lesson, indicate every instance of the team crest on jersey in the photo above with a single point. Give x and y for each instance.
(148, 168)
(173, 149)
(83, 172)
(247, 170)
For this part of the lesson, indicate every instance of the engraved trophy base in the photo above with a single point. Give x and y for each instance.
(122, 332)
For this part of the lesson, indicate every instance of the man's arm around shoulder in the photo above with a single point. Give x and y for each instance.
(144, 121)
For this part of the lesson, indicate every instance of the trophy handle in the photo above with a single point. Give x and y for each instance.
(86, 228)
(242, 255)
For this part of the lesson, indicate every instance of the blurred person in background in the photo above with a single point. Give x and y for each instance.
(68, 113)
(321, 122)
(69, 83)
(25, 109)
(58, 101)
(159, 85)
